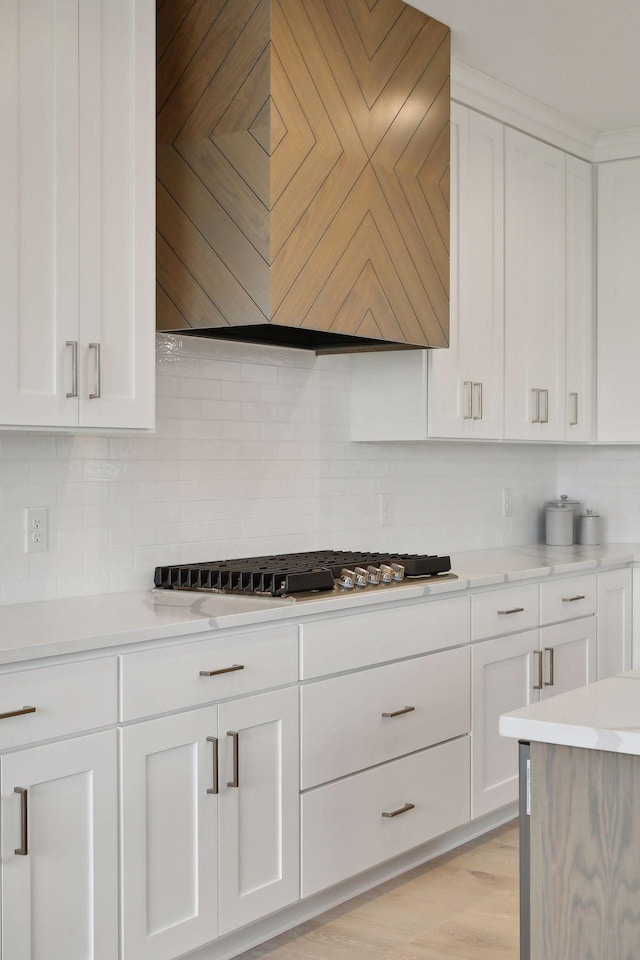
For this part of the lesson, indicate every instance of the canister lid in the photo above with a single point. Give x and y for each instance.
(590, 513)
(563, 503)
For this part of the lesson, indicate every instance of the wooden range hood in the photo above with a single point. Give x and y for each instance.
(303, 172)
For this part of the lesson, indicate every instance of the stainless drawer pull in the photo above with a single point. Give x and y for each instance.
(236, 771)
(468, 400)
(550, 681)
(476, 404)
(545, 418)
(23, 849)
(396, 813)
(505, 613)
(214, 788)
(17, 713)
(574, 418)
(74, 368)
(98, 388)
(216, 673)
(399, 713)
(536, 396)
(540, 683)
(579, 596)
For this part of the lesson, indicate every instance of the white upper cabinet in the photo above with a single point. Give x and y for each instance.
(580, 318)
(466, 381)
(618, 389)
(534, 289)
(77, 297)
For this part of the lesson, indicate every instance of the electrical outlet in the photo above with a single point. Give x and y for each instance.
(507, 503)
(385, 509)
(37, 529)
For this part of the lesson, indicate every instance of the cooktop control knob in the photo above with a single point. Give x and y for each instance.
(362, 577)
(374, 574)
(398, 571)
(347, 579)
(386, 573)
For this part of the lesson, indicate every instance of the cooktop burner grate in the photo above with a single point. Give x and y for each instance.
(288, 573)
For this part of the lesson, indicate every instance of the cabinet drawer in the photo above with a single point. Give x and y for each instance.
(360, 640)
(68, 699)
(343, 827)
(508, 610)
(568, 599)
(203, 671)
(344, 727)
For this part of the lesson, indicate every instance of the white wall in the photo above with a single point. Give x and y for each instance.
(251, 455)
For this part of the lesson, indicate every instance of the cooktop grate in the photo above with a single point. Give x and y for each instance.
(288, 573)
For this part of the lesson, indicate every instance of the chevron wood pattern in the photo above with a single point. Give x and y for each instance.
(303, 168)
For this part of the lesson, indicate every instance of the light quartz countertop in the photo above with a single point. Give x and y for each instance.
(603, 716)
(67, 626)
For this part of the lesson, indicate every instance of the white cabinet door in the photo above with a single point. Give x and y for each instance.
(39, 204)
(259, 807)
(466, 381)
(504, 672)
(568, 655)
(534, 289)
(614, 622)
(60, 896)
(618, 385)
(580, 340)
(169, 873)
(117, 213)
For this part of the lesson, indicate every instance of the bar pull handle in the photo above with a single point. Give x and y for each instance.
(214, 788)
(396, 813)
(505, 613)
(17, 713)
(467, 400)
(98, 393)
(578, 596)
(574, 404)
(476, 404)
(23, 849)
(545, 418)
(399, 713)
(236, 766)
(74, 368)
(539, 684)
(536, 418)
(216, 673)
(550, 681)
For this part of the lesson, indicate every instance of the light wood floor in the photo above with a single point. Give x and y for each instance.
(462, 906)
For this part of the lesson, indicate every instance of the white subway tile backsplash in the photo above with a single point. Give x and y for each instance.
(251, 455)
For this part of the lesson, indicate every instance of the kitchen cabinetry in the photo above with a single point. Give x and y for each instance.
(534, 289)
(618, 298)
(77, 230)
(615, 601)
(519, 668)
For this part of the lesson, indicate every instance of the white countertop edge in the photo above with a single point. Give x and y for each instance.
(572, 735)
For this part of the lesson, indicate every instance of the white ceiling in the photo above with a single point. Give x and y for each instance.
(580, 56)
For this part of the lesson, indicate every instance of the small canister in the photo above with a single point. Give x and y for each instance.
(589, 533)
(559, 523)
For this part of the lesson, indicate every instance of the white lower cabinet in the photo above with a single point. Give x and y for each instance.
(615, 604)
(169, 879)
(353, 824)
(59, 850)
(511, 672)
(210, 832)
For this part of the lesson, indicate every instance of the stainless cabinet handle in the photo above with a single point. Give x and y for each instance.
(476, 404)
(536, 418)
(545, 418)
(17, 713)
(399, 713)
(216, 673)
(467, 400)
(578, 596)
(214, 788)
(236, 766)
(98, 393)
(505, 613)
(550, 681)
(539, 684)
(396, 813)
(574, 403)
(74, 368)
(23, 849)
